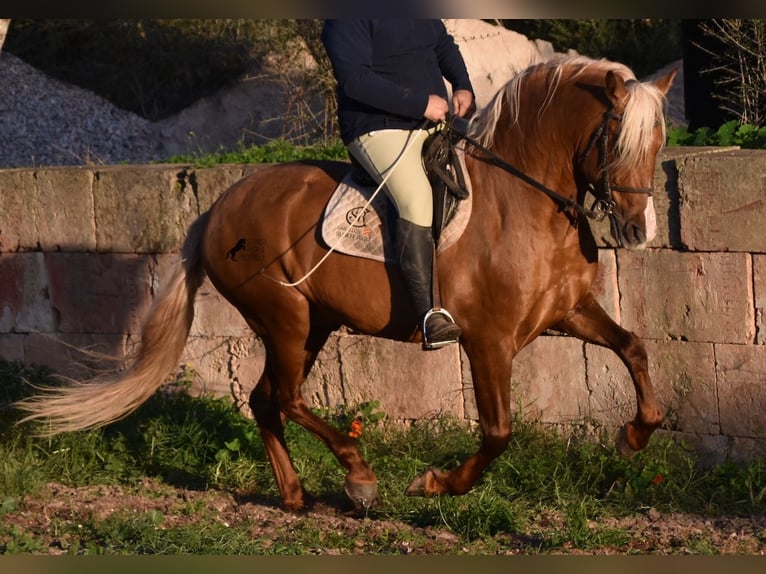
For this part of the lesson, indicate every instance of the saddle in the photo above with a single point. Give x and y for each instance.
(356, 223)
(445, 172)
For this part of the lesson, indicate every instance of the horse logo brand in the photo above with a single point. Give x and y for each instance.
(246, 250)
(232, 253)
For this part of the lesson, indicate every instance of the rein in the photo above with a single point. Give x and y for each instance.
(604, 203)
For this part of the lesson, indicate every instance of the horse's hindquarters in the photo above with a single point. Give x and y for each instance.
(262, 229)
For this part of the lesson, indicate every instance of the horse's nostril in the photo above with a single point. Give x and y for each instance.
(633, 235)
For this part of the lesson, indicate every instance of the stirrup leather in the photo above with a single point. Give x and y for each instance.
(436, 344)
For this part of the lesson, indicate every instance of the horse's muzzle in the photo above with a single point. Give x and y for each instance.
(637, 232)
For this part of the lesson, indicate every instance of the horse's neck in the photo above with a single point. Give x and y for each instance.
(547, 165)
(506, 196)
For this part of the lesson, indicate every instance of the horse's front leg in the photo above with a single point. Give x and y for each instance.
(491, 371)
(589, 322)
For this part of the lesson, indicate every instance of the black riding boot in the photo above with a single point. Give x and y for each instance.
(415, 247)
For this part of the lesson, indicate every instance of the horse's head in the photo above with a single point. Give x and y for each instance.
(617, 160)
(594, 119)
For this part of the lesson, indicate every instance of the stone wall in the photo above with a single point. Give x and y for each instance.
(83, 250)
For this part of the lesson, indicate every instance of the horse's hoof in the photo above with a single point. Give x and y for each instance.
(417, 487)
(621, 443)
(425, 485)
(364, 495)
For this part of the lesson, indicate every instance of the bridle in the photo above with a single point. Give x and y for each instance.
(604, 202)
(603, 205)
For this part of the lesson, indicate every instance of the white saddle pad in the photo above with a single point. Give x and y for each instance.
(351, 228)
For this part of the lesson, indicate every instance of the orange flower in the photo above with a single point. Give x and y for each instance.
(356, 429)
(658, 479)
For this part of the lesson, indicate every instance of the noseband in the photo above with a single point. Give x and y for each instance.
(604, 202)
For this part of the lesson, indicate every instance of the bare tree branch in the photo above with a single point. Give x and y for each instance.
(740, 66)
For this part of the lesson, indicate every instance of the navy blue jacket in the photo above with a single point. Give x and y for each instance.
(387, 68)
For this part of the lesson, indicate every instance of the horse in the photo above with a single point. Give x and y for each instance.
(525, 263)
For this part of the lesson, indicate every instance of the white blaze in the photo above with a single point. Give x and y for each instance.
(651, 220)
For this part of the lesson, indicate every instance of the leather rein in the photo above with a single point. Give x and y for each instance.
(604, 203)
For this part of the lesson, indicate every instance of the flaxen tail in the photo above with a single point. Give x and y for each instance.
(105, 399)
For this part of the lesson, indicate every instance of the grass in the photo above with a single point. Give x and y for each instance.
(544, 491)
(273, 152)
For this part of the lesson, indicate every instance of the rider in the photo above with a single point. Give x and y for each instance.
(390, 76)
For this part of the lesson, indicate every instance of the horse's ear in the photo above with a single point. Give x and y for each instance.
(615, 89)
(663, 83)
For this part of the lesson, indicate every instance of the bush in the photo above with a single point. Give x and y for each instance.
(732, 133)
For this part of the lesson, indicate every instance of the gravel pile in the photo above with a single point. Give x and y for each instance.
(45, 122)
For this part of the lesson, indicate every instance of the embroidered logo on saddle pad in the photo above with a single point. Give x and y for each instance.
(353, 227)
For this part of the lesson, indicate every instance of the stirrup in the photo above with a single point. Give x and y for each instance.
(428, 345)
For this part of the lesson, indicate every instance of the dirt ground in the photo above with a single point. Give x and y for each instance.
(650, 532)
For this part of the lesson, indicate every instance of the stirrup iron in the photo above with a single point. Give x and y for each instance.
(436, 344)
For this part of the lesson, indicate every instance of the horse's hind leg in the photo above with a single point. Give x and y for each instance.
(277, 395)
(264, 404)
(589, 322)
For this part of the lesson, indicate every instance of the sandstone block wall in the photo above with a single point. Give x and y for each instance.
(83, 251)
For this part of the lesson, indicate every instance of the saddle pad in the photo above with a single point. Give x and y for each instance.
(348, 227)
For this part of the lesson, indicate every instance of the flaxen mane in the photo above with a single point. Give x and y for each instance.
(642, 113)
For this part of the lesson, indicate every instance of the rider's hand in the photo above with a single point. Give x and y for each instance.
(437, 109)
(462, 103)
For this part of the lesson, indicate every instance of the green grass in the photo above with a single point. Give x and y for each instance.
(204, 444)
(273, 152)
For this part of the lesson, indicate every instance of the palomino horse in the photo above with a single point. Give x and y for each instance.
(524, 264)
